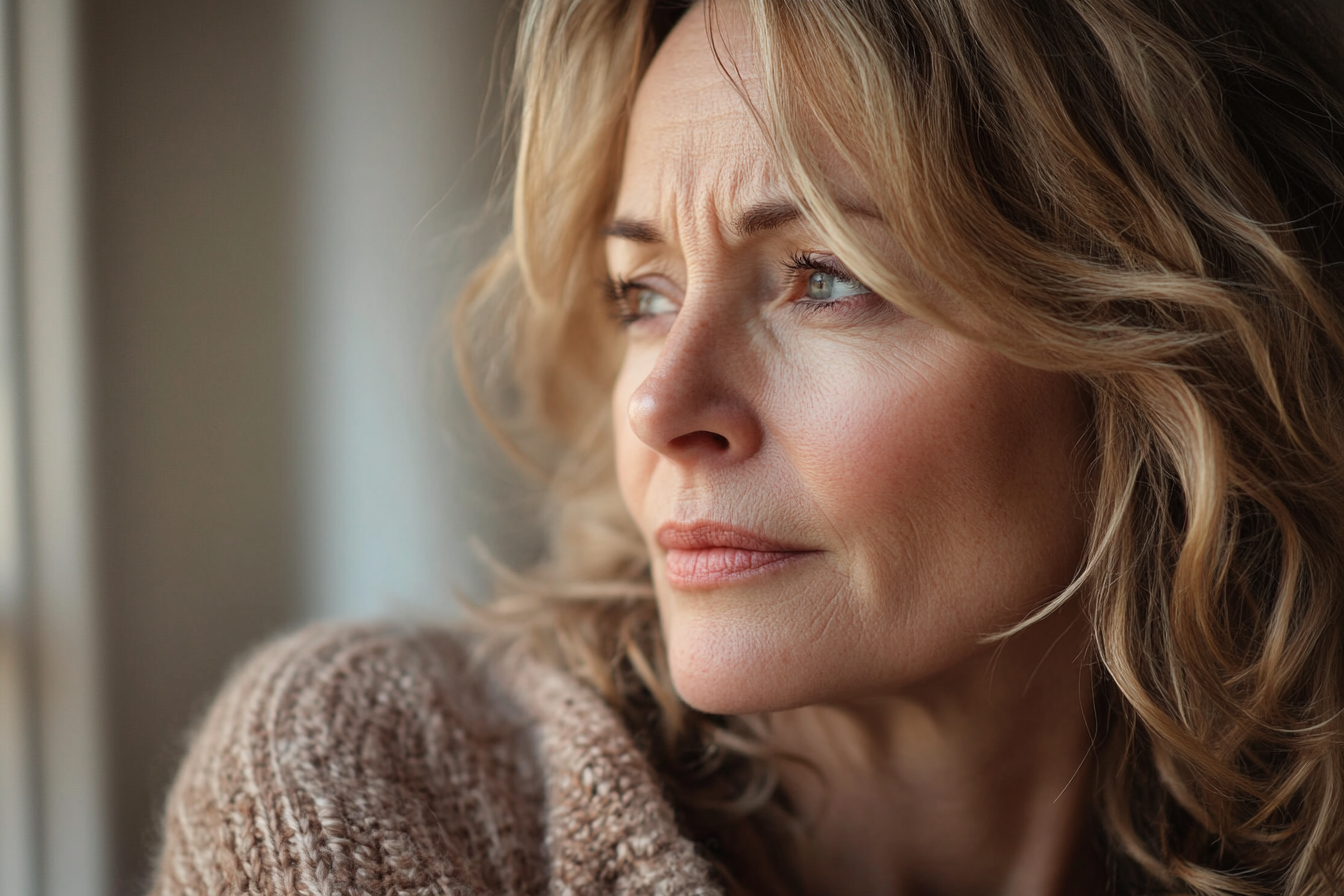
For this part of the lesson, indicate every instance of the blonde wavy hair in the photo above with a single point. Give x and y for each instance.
(1141, 193)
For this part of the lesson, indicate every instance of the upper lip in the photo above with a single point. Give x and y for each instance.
(705, 534)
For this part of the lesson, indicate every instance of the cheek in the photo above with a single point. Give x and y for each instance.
(950, 477)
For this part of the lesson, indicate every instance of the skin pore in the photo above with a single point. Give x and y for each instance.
(841, 501)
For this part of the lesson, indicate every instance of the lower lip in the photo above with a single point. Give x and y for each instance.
(713, 567)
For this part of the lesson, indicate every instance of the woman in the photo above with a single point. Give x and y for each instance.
(954, 507)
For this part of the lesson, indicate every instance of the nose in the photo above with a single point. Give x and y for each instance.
(693, 407)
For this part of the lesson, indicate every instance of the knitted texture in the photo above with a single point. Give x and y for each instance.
(378, 760)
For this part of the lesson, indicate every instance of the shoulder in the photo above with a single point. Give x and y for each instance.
(357, 758)
(374, 759)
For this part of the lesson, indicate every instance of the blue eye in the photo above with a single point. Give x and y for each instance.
(648, 303)
(634, 302)
(827, 281)
(825, 286)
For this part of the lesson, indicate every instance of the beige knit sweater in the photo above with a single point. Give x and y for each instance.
(375, 760)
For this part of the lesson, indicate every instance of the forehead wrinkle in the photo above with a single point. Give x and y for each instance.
(691, 200)
(717, 196)
(695, 148)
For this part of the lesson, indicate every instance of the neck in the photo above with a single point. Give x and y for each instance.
(977, 783)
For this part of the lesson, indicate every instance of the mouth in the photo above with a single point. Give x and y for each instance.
(705, 555)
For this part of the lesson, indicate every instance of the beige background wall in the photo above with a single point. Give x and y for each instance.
(191, 167)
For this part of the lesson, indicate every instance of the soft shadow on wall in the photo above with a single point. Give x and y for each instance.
(279, 196)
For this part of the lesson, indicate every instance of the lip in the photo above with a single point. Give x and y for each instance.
(704, 555)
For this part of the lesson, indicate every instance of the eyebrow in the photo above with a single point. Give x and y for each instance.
(757, 219)
(762, 216)
(634, 230)
(765, 216)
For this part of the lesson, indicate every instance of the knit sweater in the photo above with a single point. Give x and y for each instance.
(378, 760)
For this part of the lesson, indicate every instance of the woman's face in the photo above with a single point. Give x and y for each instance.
(840, 500)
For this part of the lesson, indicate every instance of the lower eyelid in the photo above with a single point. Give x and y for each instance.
(845, 307)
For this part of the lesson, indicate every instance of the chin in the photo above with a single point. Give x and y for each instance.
(722, 692)
(728, 671)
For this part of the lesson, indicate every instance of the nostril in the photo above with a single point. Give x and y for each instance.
(702, 438)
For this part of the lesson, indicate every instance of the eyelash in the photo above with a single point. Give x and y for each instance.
(806, 261)
(618, 289)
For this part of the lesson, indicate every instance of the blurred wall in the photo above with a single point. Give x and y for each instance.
(278, 194)
(191, 191)
(397, 162)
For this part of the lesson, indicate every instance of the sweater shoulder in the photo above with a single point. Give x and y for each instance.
(357, 759)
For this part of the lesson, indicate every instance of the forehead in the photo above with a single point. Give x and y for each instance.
(693, 139)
